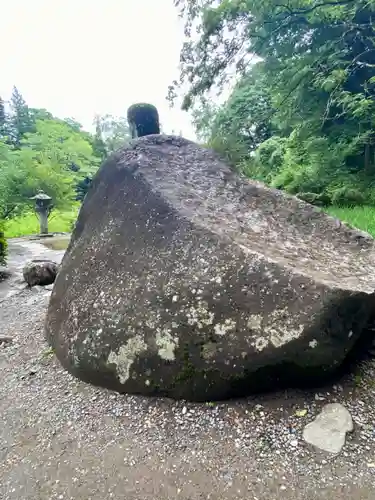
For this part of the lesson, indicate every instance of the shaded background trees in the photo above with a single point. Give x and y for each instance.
(301, 115)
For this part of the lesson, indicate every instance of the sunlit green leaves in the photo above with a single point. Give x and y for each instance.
(54, 158)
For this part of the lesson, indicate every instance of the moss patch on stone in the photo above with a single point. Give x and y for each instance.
(143, 120)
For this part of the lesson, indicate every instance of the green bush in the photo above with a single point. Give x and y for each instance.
(346, 196)
(319, 200)
(3, 247)
(230, 149)
(265, 163)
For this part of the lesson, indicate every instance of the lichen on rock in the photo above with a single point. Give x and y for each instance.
(166, 344)
(126, 356)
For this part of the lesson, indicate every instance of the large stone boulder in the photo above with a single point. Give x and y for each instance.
(183, 279)
(40, 272)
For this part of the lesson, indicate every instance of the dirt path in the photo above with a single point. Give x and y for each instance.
(63, 439)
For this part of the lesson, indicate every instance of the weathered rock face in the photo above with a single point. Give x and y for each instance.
(184, 280)
(40, 272)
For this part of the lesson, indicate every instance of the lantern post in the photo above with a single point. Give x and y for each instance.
(43, 207)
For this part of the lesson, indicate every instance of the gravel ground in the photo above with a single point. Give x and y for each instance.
(63, 439)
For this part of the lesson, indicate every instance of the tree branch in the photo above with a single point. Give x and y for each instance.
(313, 7)
(323, 4)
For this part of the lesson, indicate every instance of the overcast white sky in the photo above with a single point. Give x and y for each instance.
(77, 58)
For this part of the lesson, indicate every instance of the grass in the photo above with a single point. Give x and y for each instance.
(27, 224)
(61, 221)
(360, 217)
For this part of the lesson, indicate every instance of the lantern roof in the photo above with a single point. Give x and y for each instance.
(41, 195)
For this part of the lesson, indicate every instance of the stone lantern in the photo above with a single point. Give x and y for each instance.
(43, 207)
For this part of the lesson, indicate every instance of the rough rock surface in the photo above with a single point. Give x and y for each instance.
(328, 431)
(40, 272)
(184, 280)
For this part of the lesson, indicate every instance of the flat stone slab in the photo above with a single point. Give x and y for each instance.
(328, 431)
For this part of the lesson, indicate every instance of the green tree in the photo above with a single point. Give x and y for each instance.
(204, 116)
(113, 131)
(100, 152)
(20, 121)
(73, 124)
(39, 114)
(67, 151)
(318, 72)
(99, 146)
(243, 122)
(3, 245)
(3, 120)
(55, 158)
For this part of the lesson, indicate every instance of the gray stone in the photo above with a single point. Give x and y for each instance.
(328, 431)
(40, 272)
(185, 280)
(5, 273)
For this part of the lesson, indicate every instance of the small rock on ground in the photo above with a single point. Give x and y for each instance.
(5, 273)
(328, 431)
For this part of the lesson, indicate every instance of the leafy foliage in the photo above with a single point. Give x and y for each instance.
(112, 133)
(39, 151)
(20, 120)
(239, 127)
(2, 118)
(303, 117)
(3, 246)
(54, 158)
